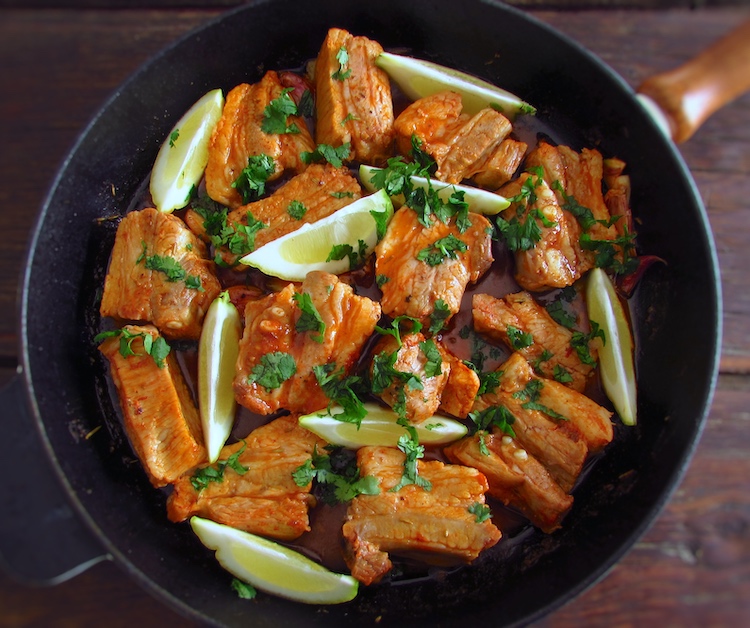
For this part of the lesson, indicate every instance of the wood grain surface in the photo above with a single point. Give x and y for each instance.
(691, 569)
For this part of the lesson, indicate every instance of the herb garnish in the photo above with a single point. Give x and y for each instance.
(519, 339)
(337, 477)
(340, 251)
(409, 444)
(440, 313)
(251, 184)
(273, 370)
(432, 367)
(310, 319)
(171, 268)
(343, 390)
(296, 210)
(447, 247)
(580, 342)
(395, 328)
(205, 475)
(326, 152)
(494, 416)
(277, 112)
(561, 374)
(481, 512)
(243, 589)
(343, 73)
(157, 347)
(173, 136)
(530, 396)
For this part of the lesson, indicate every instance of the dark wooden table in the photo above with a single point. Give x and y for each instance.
(691, 569)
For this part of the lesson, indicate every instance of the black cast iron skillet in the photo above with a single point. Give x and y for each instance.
(110, 511)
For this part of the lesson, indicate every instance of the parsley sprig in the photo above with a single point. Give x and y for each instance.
(277, 112)
(344, 390)
(273, 370)
(309, 319)
(251, 184)
(530, 397)
(170, 268)
(448, 247)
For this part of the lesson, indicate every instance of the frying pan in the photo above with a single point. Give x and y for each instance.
(64, 418)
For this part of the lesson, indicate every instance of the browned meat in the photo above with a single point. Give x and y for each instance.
(461, 145)
(353, 97)
(460, 389)
(239, 136)
(264, 499)
(434, 525)
(158, 274)
(556, 442)
(515, 478)
(321, 190)
(276, 360)
(413, 285)
(556, 260)
(160, 417)
(617, 197)
(421, 398)
(502, 164)
(501, 318)
(580, 175)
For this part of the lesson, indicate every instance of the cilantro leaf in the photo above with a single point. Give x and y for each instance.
(277, 112)
(440, 313)
(326, 152)
(343, 390)
(251, 184)
(432, 367)
(157, 348)
(273, 370)
(494, 416)
(481, 512)
(310, 319)
(519, 339)
(560, 315)
(202, 477)
(580, 342)
(343, 73)
(296, 210)
(447, 247)
(409, 444)
(243, 589)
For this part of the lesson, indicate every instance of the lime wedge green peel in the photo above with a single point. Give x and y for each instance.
(616, 356)
(379, 428)
(295, 254)
(217, 357)
(418, 79)
(480, 201)
(272, 567)
(183, 155)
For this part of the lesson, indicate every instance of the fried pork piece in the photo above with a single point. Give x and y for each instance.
(462, 146)
(556, 260)
(154, 260)
(502, 164)
(160, 417)
(557, 443)
(461, 388)
(264, 499)
(435, 526)
(519, 312)
(515, 478)
(580, 176)
(353, 97)
(277, 355)
(414, 286)
(414, 357)
(238, 136)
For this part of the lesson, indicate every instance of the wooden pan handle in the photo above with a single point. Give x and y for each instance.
(689, 94)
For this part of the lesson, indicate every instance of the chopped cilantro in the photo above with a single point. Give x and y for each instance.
(440, 313)
(580, 342)
(446, 247)
(243, 589)
(432, 367)
(343, 390)
(306, 105)
(560, 314)
(157, 348)
(336, 476)
(171, 268)
(325, 152)
(340, 251)
(381, 222)
(481, 512)
(277, 112)
(381, 280)
(561, 374)
(296, 210)
(251, 184)
(494, 416)
(519, 339)
(215, 473)
(409, 444)
(343, 73)
(310, 319)
(273, 370)
(173, 136)
(395, 329)
(530, 396)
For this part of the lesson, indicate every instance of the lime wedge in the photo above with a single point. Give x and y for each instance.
(379, 428)
(295, 254)
(183, 156)
(272, 567)
(616, 356)
(418, 78)
(480, 201)
(217, 356)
